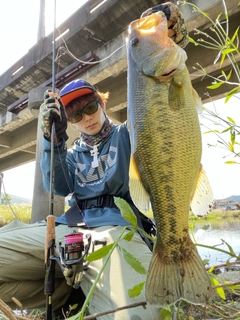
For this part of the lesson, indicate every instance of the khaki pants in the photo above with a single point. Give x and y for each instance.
(22, 271)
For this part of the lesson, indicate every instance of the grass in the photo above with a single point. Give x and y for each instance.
(23, 213)
(216, 215)
(229, 306)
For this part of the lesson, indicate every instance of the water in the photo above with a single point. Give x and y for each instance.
(226, 229)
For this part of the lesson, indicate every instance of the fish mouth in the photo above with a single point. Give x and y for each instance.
(167, 74)
(148, 24)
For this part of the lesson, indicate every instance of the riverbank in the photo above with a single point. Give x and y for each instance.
(215, 215)
(15, 212)
(10, 213)
(229, 295)
(23, 213)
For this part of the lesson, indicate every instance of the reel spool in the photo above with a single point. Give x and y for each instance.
(72, 254)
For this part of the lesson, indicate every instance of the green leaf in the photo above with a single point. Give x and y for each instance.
(231, 120)
(220, 290)
(192, 41)
(78, 316)
(206, 261)
(231, 93)
(229, 75)
(100, 253)
(233, 137)
(231, 146)
(229, 247)
(206, 227)
(126, 211)
(211, 131)
(227, 129)
(166, 314)
(136, 290)
(228, 263)
(133, 262)
(191, 227)
(219, 16)
(234, 288)
(73, 307)
(129, 235)
(221, 293)
(215, 85)
(235, 35)
(223, 58)
(211, 269)
(229, 50)
(230, 162)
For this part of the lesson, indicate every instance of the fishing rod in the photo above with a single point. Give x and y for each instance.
(71, 257)
(49, 285)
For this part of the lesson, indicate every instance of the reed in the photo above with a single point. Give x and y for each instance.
(216, 215)
(10, 213)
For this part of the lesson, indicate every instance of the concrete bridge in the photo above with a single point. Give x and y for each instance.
(96, 31)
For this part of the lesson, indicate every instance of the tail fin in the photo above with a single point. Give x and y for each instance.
(169, 282)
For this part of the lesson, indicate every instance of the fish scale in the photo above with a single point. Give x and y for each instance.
(169, 158)
(166, 153)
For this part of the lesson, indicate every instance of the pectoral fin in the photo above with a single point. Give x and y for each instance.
(139, 195)
(177, 97)
(203, 196)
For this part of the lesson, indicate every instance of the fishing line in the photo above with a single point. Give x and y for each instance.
(66, 50)
(61, 162)
(65, 173)
(62, 51)
(69, 188)
(53, 131)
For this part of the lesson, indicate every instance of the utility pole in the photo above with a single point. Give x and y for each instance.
(41, 23)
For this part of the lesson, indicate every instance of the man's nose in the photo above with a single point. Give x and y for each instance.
(86, 117)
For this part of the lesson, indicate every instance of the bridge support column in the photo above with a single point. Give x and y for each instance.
(41, 198)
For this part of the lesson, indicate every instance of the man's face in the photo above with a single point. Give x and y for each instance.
(91, 124)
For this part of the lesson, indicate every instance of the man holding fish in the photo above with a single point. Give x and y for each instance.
(162, 138)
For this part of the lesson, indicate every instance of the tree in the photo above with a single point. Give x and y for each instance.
(6, 199)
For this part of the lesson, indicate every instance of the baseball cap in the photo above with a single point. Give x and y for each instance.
(75, 89)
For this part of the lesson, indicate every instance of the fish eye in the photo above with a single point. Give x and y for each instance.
(134, 41)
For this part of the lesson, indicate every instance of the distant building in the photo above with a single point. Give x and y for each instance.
(226, 204)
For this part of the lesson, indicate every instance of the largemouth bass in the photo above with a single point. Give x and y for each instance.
(166, 153)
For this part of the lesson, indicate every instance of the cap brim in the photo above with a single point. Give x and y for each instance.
(75, 89)
(69, 96)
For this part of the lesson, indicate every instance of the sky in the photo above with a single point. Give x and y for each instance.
(19, 25)
(18, 33)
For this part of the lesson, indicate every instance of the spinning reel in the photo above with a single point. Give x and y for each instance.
(71, 259)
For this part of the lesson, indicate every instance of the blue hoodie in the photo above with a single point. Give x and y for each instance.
(74, 175)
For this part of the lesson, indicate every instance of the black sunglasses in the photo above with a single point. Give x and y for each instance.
(89, 109)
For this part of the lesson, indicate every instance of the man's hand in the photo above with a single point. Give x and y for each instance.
(51, 111)
(177, 29)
